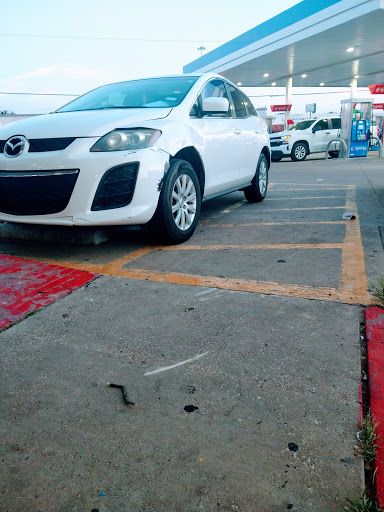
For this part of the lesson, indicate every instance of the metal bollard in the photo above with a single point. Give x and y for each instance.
(344, 150)
(381, 150)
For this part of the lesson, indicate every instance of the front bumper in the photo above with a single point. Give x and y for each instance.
(86, 170)
(280, 148)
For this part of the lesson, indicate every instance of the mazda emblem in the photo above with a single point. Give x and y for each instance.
(15, 146)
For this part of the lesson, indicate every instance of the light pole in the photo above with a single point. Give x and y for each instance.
(201, 50)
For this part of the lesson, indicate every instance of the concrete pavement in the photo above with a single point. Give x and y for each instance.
(262, 307)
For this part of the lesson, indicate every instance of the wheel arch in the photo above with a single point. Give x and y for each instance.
(266, 152)
(192, 156)
(302, 141)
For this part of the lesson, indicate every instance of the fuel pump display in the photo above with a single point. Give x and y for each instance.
(359, 137)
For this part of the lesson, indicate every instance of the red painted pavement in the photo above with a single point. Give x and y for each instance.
(27, 285)
(375, 341)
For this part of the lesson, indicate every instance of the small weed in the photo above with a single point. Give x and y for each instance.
(368, 438)
(378, 291)
(362, 504)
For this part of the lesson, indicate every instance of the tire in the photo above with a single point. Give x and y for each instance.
(299, 152)
(258, 190)
(333, 154)
(276, 158)
(178, 210)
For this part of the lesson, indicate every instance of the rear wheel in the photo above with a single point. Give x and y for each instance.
(299, 152)
(178, 209)
(333, 154)
(257, 191)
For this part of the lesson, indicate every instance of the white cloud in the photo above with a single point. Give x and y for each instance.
(51, 79)
(62, 78)
(57, 70)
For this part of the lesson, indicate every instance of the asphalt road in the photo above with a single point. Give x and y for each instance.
(241, 349)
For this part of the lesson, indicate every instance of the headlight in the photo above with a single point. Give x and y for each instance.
(121, 140)
(286, 136)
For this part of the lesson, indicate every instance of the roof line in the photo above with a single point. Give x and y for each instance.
(281, 21)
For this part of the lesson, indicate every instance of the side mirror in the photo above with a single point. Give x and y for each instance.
(214, 104)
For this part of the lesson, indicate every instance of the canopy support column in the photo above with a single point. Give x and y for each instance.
(288, 99)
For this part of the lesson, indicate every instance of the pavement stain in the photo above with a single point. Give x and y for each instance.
(190, 408)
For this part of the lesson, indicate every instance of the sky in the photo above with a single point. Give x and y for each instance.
(97, 42)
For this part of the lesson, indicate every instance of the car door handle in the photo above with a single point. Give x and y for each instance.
(237, 131)
(256, 131)
(327, 133)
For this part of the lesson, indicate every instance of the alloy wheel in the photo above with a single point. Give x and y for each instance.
(184, 202)
(263, 177)
(300, 152)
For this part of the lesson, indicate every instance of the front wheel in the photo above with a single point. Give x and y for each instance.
(258, 189)
(178, 209)
(299, 152)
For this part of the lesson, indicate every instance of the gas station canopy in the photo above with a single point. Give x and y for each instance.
(323, 42)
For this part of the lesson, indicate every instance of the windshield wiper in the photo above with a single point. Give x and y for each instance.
(88, 109)
(122, 106)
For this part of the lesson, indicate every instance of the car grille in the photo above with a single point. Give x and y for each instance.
(277, 143)
(36, 192)
(43, 145)
(116, 187)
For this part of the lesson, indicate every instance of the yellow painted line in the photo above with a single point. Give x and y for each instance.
(231, 208)
(244, 285)
(224, 212)
(306, 198)
(353, 279)
(250, 247)
(306, 189)
(309, 208)
(117, 264)
(284, 223)
(316, 185)
(106, 268)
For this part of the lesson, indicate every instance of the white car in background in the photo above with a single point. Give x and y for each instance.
(144, 152)
(305, 137)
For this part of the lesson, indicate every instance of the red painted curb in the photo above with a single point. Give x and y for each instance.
(375, 347)
(26, 286)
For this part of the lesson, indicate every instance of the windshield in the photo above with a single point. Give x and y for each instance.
(303, 125)
(148, 93)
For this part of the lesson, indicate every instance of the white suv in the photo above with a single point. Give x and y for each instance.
(309, 136)
(144, 152)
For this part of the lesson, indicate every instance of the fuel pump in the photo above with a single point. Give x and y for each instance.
(355, 125)
(378, 120)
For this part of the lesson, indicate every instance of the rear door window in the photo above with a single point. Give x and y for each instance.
(336, 123)
(248, 104)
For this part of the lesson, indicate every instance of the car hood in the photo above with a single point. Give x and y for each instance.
(292, 133)
(280, 134)
(89, 123)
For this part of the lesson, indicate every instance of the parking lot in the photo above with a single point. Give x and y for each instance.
(252, 325)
